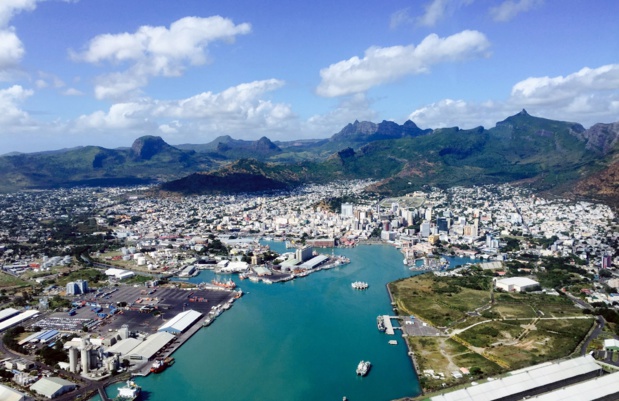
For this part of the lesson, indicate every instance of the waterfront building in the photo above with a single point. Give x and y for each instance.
(52, 387)
(181, 322)
(9, 394)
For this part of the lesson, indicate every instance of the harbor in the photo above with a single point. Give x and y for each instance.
(252, 338)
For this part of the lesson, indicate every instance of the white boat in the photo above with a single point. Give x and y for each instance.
(363, 368)
(129, 392)
(393, 342)
(360, 285)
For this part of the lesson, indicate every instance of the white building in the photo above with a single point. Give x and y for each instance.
(515, 284)
(52, 387)
(9, 394)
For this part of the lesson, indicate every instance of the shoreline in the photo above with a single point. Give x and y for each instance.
(410, 353)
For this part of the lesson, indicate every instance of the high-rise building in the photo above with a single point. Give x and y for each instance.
(442, 224)
(425, 229)
(347, 210)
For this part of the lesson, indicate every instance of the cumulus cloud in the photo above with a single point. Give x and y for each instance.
(509, 9)
(11, 49)
(386, 64)
(10, 112)
(72, 92)
(155, 51)
(238, 108)
(8, 9)
(355, 107)
(587, 96)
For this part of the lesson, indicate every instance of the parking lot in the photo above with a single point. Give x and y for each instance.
(142, 309)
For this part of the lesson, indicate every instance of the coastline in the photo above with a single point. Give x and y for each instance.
(411, 352)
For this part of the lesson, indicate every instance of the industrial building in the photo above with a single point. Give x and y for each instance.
(15, 320)
(52, 387)
(7, 313)
(528, 382)
(9, 394)
(314, 262)
(181, 322)
(597, 389)
(77, 287)
(119, 274)
(147, 349)
(516, 284)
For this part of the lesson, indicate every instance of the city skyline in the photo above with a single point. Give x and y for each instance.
(93, 72)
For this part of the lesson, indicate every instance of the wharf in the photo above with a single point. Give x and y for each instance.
(388, 325)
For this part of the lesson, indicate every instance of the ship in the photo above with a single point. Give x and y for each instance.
(158, 366)
(363, 368)
(128, 392)
(224, 284)
(380, 322)
(360, 285)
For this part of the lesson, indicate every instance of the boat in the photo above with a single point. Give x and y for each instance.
(363, 368)
(158, 366)
(128, 392)
(359, 285)
(169, 361)
(224, 284)
(393, 342)
(380, 322)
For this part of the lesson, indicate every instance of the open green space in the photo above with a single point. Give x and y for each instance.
(8, 281)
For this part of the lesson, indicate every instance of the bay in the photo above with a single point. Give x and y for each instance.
(298, 340)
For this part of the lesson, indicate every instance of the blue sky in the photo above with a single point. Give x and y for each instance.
(104, 72)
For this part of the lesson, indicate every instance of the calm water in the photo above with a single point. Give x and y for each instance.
(299, 340)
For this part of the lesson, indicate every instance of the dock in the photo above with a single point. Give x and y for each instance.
(388, 325)
(103, 394)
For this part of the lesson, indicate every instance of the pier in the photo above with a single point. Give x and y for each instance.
(388, 325)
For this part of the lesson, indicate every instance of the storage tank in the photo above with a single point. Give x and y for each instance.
(73, 360)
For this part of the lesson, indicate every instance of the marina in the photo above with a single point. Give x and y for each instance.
(231, 352)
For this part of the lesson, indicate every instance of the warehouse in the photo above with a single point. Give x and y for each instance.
(7, 313)
(529, 381)
(181, 322)
(599, 388)
(52, 387)
(148, 348)
(9, 394)
(123, 347)
(516, 284)
(314, 262)
(15, 320)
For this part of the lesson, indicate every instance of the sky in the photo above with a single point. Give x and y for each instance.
(105, 72)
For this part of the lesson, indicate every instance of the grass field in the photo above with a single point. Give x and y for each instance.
(515, 331)
(8, 281)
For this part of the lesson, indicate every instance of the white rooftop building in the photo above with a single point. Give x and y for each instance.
(52, 387)
(515, 284)
(181, 322)
(9, 394)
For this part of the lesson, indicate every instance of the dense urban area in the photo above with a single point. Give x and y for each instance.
(90, 295)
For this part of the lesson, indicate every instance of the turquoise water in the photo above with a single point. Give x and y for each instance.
(299, 340)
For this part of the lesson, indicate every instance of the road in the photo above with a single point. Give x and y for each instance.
(594, 334)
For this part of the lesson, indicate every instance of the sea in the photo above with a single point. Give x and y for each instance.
(297, 340)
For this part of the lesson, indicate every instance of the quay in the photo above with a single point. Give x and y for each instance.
(103, 394)
(388, 326)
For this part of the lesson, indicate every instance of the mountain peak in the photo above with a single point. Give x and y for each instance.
(145, 147)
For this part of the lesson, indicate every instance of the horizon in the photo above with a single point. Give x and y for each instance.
(102, 73)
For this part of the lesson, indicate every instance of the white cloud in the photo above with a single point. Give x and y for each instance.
(509, 9)
(400, 17)
(156, 51)
(8, 8)
(72, 92)
(588, 96)
(386, 64)
(11, 49)
(355, 107)
(11, 115)
(232, 111)
(437, 10)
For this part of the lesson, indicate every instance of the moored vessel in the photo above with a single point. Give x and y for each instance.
(158, 366)
(363, 368)
(224, 284)
(129, 392)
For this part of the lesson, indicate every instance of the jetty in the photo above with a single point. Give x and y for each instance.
(388, 325)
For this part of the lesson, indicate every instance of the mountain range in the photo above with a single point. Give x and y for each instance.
(547, 155)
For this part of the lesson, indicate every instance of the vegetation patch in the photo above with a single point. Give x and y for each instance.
(7, 281)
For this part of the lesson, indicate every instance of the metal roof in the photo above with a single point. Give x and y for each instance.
(49, 386)
(594, 389)
(149, 347)
(17, 319)
(523, 380)
(9, 394)
(180, 322)
(123, 347)
(7, 313)
(315, 261)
